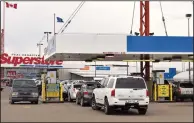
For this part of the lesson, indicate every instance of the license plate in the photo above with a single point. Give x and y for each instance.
(188, 92)
(131, 101)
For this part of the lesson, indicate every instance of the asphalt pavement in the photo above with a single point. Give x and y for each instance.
(70, 112)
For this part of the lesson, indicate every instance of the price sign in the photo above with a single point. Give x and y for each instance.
(163, 91)
(52, 94)
(52, 87)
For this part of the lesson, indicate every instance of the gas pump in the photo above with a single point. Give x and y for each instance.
(51, 90)
(162, 91)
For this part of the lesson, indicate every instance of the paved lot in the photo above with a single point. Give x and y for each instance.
(70, 112)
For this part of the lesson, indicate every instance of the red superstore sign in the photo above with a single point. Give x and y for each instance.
(6, 59)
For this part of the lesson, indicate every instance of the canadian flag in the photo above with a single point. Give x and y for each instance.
(9, 5)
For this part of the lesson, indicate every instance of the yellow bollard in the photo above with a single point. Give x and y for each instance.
(155, 92)
(170, 92)
(61, 93)
(43, 92)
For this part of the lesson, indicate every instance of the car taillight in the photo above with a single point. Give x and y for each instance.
(85, 93)
(113, 93)
(179, 90)
(147, 93)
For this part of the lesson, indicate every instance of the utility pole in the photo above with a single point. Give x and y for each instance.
(47, 35)
(47, 39)
(188, 16)
(39, 45)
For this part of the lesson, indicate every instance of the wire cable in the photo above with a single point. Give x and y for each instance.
(71, 17)
(163, 19)
(131, 31)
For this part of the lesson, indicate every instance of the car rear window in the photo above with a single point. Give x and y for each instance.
(24, 83)
(186, 85)
(77, 86)
(130, 83)
(92, 86)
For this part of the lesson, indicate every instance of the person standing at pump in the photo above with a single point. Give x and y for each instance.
(65, 93)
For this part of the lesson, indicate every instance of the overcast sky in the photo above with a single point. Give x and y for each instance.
(25, 26)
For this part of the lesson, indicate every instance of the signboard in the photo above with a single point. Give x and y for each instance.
(16, 60)
(102, 68)
(41, 66)
(52, 76)
(51, 48)
(52, 90)
(163, 91)
(114, 53)
(11, 74)
(85, 68)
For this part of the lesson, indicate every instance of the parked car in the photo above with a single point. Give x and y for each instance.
(24, 90)
(182, 91)
(72, 91)
(123, 93)
(84, 95)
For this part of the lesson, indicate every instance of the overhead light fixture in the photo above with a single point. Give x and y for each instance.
(110, 55)
(190, 56)
(101, 57)
(88, 60)
(167, 59)
(176, 58)
(187, 60)
(157, 60)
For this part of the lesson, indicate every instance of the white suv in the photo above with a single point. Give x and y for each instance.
(121, 92)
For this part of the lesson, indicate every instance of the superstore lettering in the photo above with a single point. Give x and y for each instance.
(5, 58)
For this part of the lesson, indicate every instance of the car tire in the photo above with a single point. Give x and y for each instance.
(182, 99)
(11, 102)
(107, 108)
(82, 102)
(175, 98)
(192, 99)
(77, 101)
(93, 104)
(142, 111)
(36, 102)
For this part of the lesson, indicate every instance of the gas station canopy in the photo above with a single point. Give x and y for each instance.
(118, 47)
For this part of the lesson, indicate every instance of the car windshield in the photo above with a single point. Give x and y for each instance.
(24, 83)
(130, 83)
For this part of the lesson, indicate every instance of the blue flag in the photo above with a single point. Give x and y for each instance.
(60, 20)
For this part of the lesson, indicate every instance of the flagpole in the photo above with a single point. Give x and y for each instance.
(54, 23)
